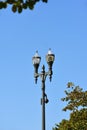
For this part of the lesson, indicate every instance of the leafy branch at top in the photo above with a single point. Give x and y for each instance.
(19, 5)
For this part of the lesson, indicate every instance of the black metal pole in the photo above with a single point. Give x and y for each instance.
(43, 98)
(43, 106)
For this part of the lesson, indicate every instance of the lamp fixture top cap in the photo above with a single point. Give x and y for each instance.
(36, 54)
(49, 51)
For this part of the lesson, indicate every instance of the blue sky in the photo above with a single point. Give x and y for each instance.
(59, 25)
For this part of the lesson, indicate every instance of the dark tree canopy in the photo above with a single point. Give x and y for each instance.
(19, 5)
(77, 121)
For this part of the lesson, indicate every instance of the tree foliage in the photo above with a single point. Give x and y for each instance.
(76, 100)
(77, 121)
(75, 97)
(19, 5)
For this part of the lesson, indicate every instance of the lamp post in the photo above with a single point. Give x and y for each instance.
(36, 62)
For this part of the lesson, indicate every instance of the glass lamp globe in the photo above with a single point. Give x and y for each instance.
(50, 57)
(36, 61)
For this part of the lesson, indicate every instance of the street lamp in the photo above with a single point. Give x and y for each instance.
(36, 62)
